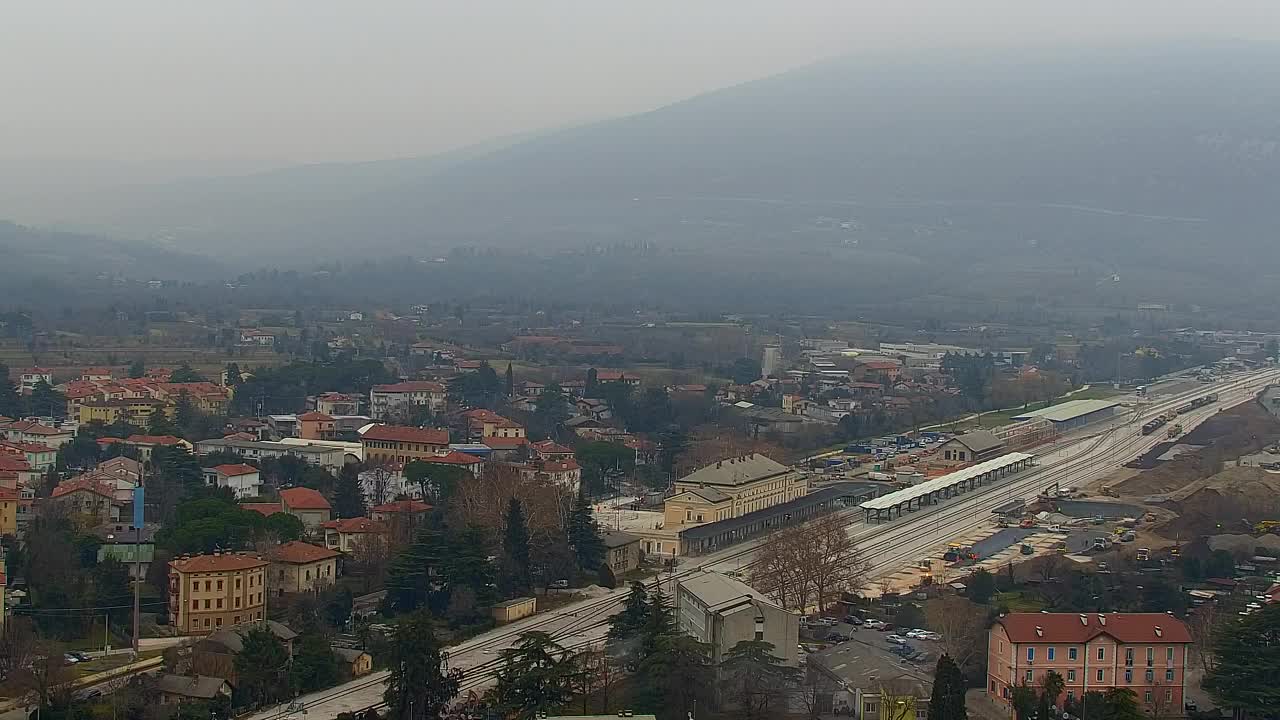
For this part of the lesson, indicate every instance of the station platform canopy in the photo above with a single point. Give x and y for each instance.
(925, 489)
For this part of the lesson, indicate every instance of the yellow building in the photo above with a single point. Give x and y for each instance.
(209, 592)
(399, 444)
(9, 500)
(732, 488)
(301, 567)
(135, 411)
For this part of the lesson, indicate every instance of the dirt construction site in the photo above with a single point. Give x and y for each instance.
(1195, 484)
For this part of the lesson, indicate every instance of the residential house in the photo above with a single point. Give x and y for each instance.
(471, 463)
(505, 447)
(328, 456)
(28, 378)
(31, 431)
(550, 450)
(178, 689)
(410, 514)
(867, 682)
(216, 653)
(244, 480)
(335, 403)
(348, 534)
(617, 376)
(89, 500)
(300, 567)
(566, 474)
(39, 456)
(397, 399)
(484, 424)
(95, 374)
(398, 443)
(594, 408)
(1146, 653)
(623, 552)
(880, 370)
(721, 612)
(121, 467)
(307, 505)
(209, 592)
(144, 444)
(120, 541)
(316, 426)
(10, 499)
(355, 663)
(16, 472)
(250, 336)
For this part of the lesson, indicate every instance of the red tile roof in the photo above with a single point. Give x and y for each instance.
(31, 427)
(315, 417)
(880, 365)
(234, 469)
(400, 433)
(551, 447)
(1081, 628)
(411, 386)
(402, 506)
(300, 553)
(355, 526)
(89, 484)
(25, 447)
(9, 494)
(302, 498)
(217, 563)
(267, 509)
(501, 443)
(153, 440)
(454, 458)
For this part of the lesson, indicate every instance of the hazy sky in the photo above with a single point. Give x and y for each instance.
(230, 85)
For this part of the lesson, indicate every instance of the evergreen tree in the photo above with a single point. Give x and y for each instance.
(233, 374)
(418, 685)
(467, 567)
(584, 536)
(186, 374)
(511, 381)
(409, 582)
(592, 384)
(758, 679)
(10, 401)
(315, 667)
(47, 402)
(262, 666)
(184, 413)
(634, 615)
(536, 676)
(947, 702)
(515, 551)
(659, 621)
(677, 678)
(1248, 653)
(137, 369)
(348, 495)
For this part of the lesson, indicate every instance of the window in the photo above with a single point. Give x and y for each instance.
(195, 604)
(1150, 676)
(1072, 653)
(236, 620)
(1128, 657)
(206, 604)
(1146, 697)
(1052, 653)
(1168, 655)
(217, 622)
(1100, 676)
(237, 602)
(1031, 654)
(237, 583)
(1168, 696)
(1071, 695)
(1102, 653)
(1031, 676)
(993, 686)
(1071, 676)
(1151, 656)
(206, 622)
(1168, 675)
(259, 614)
(219, 584)
(1128, 677)
(870, 707)
(308, 574)
(208, 585)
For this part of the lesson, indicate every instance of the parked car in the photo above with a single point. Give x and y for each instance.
(838, 638)
(560, 585)
(930, 635)
(853, 619)
(874, 625)
(914, 634)
(896, 639)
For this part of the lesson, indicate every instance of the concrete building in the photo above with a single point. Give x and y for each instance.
(335, 403)
(300, 567)
(317, 426)
(720, 611)
(208, 592)
(348, 534)
(1074, 414)
(387, 401)
(865, 681)
(121, 542)
(971, 447)
(244, 480)
(1093, 652)
(622, 551)
(330, 457)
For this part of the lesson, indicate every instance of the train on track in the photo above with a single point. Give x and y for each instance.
(1152, 425)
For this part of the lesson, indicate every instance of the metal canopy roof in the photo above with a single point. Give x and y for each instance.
(894, 499)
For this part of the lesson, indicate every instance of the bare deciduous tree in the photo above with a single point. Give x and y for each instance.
(17, 645)
(1204, 624)
(810, 564)
(962, 624)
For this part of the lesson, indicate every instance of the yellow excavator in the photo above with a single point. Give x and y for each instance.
(1267, 526)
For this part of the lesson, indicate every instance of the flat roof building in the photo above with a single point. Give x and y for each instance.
(1073, 414)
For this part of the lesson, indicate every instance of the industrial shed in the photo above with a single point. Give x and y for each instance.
(1073, 414)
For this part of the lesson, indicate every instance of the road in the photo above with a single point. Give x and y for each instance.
(1077, 460)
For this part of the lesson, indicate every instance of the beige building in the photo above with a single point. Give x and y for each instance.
(209, 592)
(385, 444)
(732, 488)
(307, 505)
(301, 567)
(622, 551)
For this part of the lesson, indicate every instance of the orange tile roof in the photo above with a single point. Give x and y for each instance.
(297, 552)
(234, 469)
(304, 498)
(153, 440)
(90, 484)
(454, 458)
(399, 506)
(355, 526)
(314, 416)
(400, 433)
(25, 446)
(268, 508)
(411, 386)
(1083, 627)
(221, 562)
(551, 446)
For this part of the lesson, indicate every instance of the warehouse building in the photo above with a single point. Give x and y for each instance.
(1074, 414)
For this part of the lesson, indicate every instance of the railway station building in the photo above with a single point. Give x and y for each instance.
(1071, 415)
